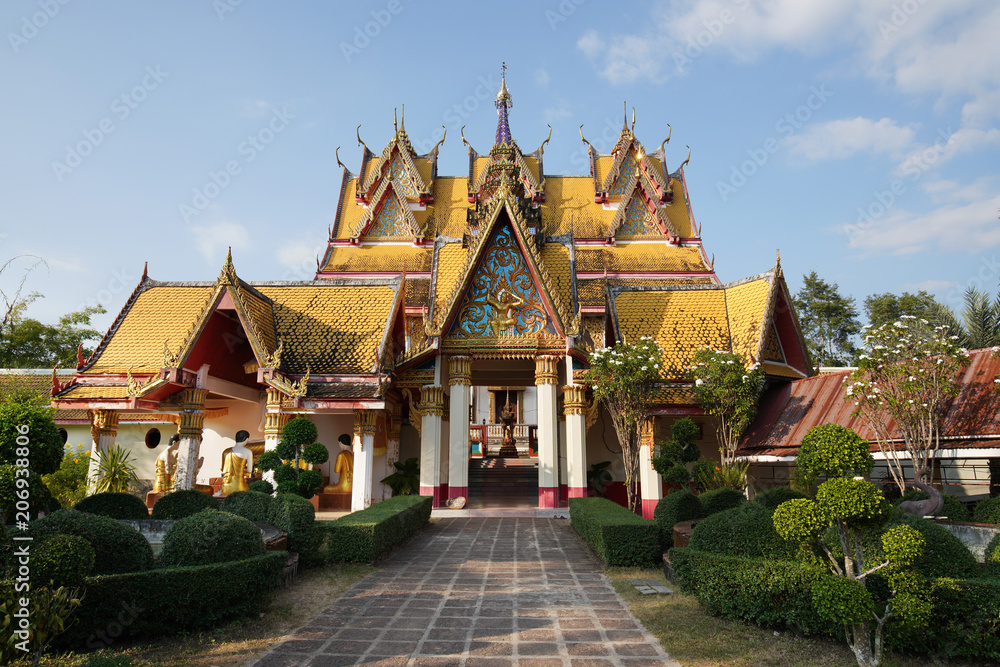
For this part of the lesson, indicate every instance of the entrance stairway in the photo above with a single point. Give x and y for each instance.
(503, 482)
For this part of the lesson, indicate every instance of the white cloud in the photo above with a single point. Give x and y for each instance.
(212, 240)
(948, 146)
(559, 112)
(541, 78)
(298, 257)
(960, 228)
(932, 286)
(839, 139)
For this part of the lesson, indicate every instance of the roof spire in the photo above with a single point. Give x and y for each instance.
(503, 103)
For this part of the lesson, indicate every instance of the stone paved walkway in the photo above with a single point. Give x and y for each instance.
(478, 592)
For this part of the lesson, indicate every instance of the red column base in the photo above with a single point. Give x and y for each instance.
(548, 497)
(577, 492)
(434, 492)
(458, 491)
(443, 494)
(649, 507)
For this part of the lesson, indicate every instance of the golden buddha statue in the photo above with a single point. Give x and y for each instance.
(237, 462)
(344, 467)
(166, 467)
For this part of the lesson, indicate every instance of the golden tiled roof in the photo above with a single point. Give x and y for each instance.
(424, 168)
(451, 258)
(569, 203)
(349, 212)
(602, 165)
(330, 328)
(681, 321)
(416, 291)
(160, 313)
(591, 291)
(259, 311)
(679, 213)
(532, 164)
(478, 164)
(451, 201)
(675, 396)
(639, 257)
(555, 259)
(379, 257)
(747, 307)
(83, 392)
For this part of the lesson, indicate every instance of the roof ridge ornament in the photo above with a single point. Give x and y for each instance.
(503, 103)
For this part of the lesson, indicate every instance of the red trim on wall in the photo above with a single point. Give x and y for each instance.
(548, 497)
(577, 492)
(459, 491)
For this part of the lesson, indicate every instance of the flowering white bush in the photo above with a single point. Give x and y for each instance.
(907, 378)
(727, 389)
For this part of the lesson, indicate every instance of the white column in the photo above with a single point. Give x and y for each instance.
(460, 380)
(190, 430)
(364, 445)
(103, 429)
(432, 408)
(576, 442)
(546, 378)
(274, 421)
(650, 484)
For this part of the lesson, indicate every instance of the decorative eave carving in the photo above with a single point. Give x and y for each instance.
(388, 188)
(643, 184)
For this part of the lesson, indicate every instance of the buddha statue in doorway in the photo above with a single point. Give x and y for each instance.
(343, 466)
(237, 462)
(166, 466)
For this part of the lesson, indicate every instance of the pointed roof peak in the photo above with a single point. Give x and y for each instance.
(503, 103)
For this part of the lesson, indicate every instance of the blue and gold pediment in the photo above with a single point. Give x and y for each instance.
(502, 297)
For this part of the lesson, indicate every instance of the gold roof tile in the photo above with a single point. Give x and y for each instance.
(379, 258)
(478, 164)
(451, 257)
(602, 165)
(424, 169)
(350, 211)
(260, 313)
(532, 164)
(159, 313)
(555, 260)
(569, 204)
(591, 291)
(82, 392)
(451, 201)
(679, 212)
(747, 306)
(416, 291)
(639, 257)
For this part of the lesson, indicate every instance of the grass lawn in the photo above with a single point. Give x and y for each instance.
(237, 642)
(696, 639)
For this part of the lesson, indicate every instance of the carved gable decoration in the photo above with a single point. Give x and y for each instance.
(772, 347)
(388, 221)
(638, 220)
(502, 298)
(628, 169)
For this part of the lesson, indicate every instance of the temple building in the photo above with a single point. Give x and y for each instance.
(440, 302)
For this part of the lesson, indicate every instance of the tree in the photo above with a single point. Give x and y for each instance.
(886, 308)
(728, 390)
(907, 377)
(673, 455)
(28, 343)
(298, 443)
(624, 378)
(828, 321)
(981, 318)
(853, 506)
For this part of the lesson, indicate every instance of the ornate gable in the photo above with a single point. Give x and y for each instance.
(642, 215)
(389, 217)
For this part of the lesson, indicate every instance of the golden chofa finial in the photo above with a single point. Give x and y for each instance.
(395, 125)
(633, 120)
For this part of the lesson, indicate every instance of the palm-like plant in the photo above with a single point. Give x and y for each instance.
(406, 480)
(115, 472)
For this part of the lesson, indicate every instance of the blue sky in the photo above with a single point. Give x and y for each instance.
(858, 136)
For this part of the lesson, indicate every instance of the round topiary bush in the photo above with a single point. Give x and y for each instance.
(114, 505)
(210, 536)
(718, 500)
(296, 516)
(992, 553)
(987, 511)
(944, 554)
(39, 497)
(262, 486)
(832, 450)
(774, 497)
(62, 560)
(675, 507)
(251, 505)
(181, 504)
(746, 531)
(117, 548)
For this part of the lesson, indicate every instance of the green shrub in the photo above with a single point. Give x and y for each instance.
(297, 517)
(362, 537)
(39, 497)
(34, 423)
(117, 547)
(6, 549)
(718, 500)
(262, 486)
(210, 536)
(774, 497)
(619, 536)
(992, 553)
(114, 505)
(174, 600)
(832, 450)
(180, 504)
(746, 531)
(675, 507)
(69, 483)
(987, 511)
(61, 560)
(771, 593)
(252, 505)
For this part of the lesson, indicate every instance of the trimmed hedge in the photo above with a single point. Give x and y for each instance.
(718, 500)
(252, 505)
(774, 497)
(619, 536)
(209, 537)
(771, 593)
(180, 504)
(992, 552)
(673, 508)
(746, 531)
(61, 560)
(297, 517)
(987, 511)
(117, 548)
(114, 505)
(362, 537)
(173, 600)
